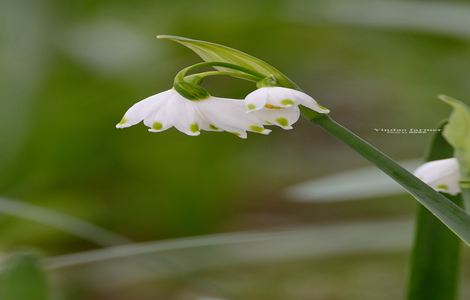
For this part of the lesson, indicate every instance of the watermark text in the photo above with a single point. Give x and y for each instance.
(406, 130)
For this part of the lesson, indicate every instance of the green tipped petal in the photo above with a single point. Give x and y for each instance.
(123, 121)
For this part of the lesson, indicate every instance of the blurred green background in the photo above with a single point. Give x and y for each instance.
(70, 69)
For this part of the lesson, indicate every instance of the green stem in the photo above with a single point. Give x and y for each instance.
(435, 258)
(448, 212)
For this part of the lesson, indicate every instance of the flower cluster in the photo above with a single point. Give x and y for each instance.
(264, 106)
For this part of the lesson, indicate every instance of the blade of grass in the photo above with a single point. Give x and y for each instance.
(337, 239)
(435, 259)
(127, 264)
(66, 223)
(20, 81)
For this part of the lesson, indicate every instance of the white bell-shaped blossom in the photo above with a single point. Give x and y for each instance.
(279, 105)
(170, 109)
(280, 97)
(442, 175)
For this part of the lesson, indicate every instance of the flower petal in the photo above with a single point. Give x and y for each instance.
(162, 119)
(442, 175)
(307, 101)
(143, 109)
(187, 120)
(230, 115)
(283, 118)
(276, 97)
(256, 99)
(280, 97)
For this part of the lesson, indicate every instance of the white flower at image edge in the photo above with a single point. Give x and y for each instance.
(170, 109)
(442, 175)
(279, 105)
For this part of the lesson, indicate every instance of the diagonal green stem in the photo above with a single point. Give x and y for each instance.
(444, 209)
(435, 258)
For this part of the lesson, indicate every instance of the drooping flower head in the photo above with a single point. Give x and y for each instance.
(190, 108)
(170, 109)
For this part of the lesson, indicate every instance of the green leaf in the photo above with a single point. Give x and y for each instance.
(23, 279)
(66, 223)
(214, 52)
(435, 258)
(457, 133)
(435, 261)
(163, 258)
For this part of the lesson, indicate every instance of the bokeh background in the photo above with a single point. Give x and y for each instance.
(215, 211)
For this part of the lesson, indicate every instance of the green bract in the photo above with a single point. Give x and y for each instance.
(191, 91)
(267, 82)
(189, 85)
(457, 133)
(219, 53)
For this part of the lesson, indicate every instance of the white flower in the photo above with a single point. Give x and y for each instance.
(442, 175)
(169, 108)
(281, 97)
(279, 105)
